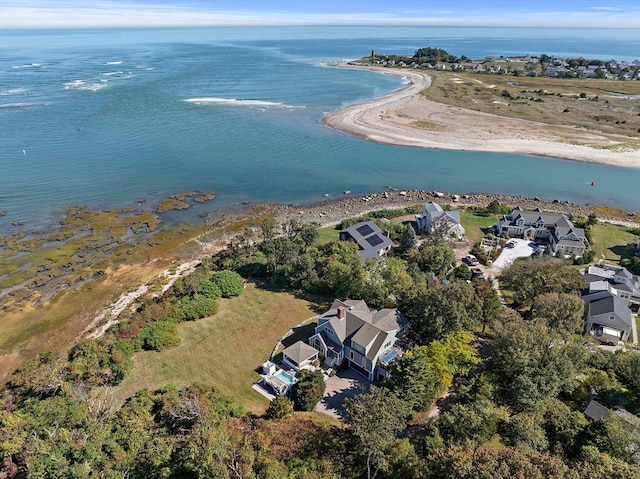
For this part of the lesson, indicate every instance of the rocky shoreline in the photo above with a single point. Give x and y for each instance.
(333, 211)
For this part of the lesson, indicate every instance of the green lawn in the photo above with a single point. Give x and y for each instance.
(329, 233)
(610, 242)
(225, 349)
(474, 225)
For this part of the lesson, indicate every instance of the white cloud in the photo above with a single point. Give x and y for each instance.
(45, 14)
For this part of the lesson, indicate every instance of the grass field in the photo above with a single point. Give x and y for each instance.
(329, 233)
(610, 242)
(474, 225)
(223, 350)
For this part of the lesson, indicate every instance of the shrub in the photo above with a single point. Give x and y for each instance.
(279, 408)
(190, 309)
(308, 391)
(158, 336)
(229, 282)
(209, 289)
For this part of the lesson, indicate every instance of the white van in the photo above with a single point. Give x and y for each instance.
(471, 260)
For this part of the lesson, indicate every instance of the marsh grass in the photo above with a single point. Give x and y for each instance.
(428, 125)
(548, 100)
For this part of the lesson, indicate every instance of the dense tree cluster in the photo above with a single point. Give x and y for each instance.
(434, 56)
(519, 379)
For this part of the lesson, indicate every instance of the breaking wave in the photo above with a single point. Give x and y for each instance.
(241, 102)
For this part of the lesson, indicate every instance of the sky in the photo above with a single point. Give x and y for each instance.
(141, 13)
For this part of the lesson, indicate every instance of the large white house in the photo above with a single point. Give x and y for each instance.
(435, 219)
(350, 331)
(557, 229)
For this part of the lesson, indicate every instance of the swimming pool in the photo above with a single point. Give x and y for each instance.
(285, 377)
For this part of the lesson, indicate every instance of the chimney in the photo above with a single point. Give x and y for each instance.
(341, 312)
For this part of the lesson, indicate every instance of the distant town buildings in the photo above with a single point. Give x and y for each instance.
(550, 66)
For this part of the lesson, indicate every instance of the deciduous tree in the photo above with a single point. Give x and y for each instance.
(374, 419)
(530, 278)
(308, 391)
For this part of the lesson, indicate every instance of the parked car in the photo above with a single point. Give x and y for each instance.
(510, 244)
(477, 273)
(471, 260)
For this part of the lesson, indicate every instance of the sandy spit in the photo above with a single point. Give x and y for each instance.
(390, 119)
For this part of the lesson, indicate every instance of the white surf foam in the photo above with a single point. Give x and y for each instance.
(113, 63)
(82, 86)
(13, 91)
(240, 102)
(111, 73)
(22, 104)
(30, 65)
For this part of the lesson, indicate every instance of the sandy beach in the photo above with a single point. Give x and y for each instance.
(392, 119)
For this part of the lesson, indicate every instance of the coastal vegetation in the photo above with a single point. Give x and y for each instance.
(594, 101)
(547, 100)
(178, 201)
(539, 371)
(513, 401)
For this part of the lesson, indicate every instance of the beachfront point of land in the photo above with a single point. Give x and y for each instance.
(408, 118)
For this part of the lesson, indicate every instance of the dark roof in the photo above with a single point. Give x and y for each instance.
(606, 305)
(369, 237)
(596, 411)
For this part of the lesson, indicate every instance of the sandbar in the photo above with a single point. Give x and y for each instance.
(393, 118)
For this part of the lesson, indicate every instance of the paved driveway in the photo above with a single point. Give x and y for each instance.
(343, 385)
(523, 249)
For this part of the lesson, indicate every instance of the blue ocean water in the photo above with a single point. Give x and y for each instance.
(111, 117)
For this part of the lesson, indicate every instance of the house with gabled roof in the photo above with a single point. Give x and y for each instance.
(611, 297)
(616, 280)
(563, 236)
(608, 317)
(434, 218)
(350, 331)
(371, 240)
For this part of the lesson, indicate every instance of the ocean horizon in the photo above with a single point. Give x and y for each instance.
(127, 117)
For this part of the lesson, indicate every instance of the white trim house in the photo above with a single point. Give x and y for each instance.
(350, 331)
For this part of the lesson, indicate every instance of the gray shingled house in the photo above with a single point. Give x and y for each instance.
(350, 331)
(608, 317)
(558, 230)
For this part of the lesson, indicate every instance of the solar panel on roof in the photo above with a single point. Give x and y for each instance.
(364, 230)
(374, 240)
